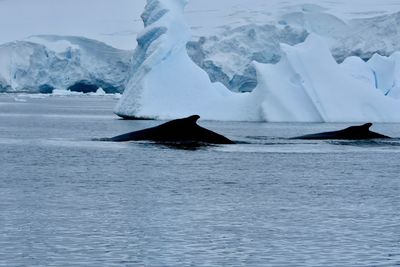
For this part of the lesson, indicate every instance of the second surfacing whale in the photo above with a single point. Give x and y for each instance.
(360, 132)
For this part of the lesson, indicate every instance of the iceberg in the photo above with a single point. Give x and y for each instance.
(165, 83)
(309, 85)
(304, 82)
(40, 64)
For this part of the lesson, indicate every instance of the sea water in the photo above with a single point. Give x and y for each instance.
(66, 200)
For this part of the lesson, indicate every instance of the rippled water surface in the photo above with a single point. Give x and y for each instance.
(68, 201)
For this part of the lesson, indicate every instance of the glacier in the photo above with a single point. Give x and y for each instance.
(40, 64)
(305, 81)
(250, 42)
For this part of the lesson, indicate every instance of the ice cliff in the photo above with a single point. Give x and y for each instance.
(43, 63)
(299, 76)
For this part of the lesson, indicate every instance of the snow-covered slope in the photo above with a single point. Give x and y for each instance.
(208, 17)
(303, 83)
(309, 85)
(44, 63)
(227, 55)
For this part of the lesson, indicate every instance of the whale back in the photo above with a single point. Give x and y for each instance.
(351, 133)
(180, 130)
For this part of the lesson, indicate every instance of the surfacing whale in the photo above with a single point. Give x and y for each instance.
(351, 133)
(184, 130)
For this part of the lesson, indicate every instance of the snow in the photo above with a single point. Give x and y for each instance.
(227, 54)
(324, 90)
(235, 13)
(383, 69)
(306, 83)
(56, 45)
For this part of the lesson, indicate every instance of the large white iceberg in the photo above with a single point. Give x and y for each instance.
(305, 84)
(165, 83)
(309, 85)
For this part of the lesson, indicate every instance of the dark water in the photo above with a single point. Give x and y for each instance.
(69, 201)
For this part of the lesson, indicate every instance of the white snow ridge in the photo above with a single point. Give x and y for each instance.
(303, 82)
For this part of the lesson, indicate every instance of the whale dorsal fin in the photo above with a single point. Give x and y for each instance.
(366, 126)
(184, 122)
(192, 119)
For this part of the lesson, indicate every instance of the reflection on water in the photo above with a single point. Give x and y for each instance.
(268, 201)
